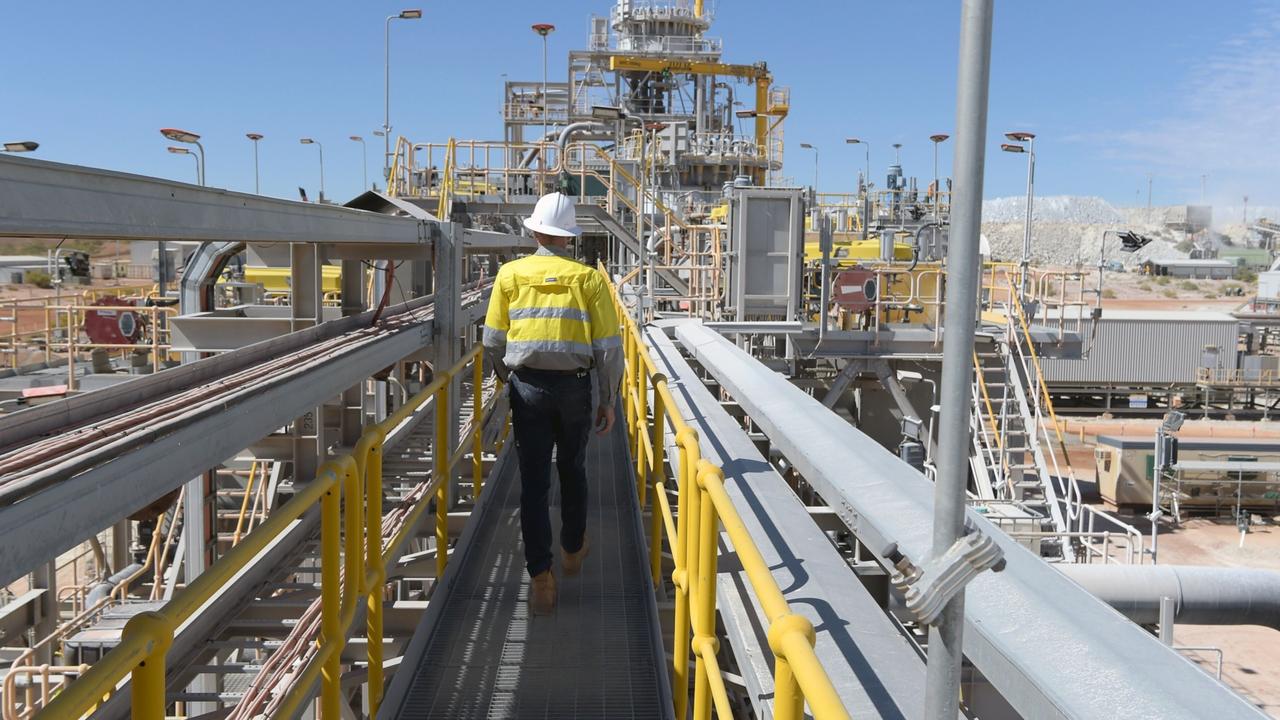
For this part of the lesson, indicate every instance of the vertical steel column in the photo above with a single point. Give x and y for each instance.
(477, 427)
(352, 422)
(45, 577)
(942, 689)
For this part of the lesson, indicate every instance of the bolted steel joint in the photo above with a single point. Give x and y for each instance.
(786, 625)
(928, 588)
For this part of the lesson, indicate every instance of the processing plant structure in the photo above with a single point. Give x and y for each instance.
(302, 501)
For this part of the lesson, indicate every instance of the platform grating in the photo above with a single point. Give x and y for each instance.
(597, 657)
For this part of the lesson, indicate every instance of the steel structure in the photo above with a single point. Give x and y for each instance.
(811, 503)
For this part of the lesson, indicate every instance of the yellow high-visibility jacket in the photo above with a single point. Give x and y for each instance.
(551, 312)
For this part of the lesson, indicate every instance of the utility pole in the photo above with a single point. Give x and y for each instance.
(945, 651)
(1148, 191)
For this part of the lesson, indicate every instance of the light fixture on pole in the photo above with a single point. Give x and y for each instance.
(309, 141)
(866, 199)
(1030, 150)
(21, 146)
(809, 146)
(184, 151)
(544, 29)
(190, 138)
(254, 138)
(365, 150)
(386, 89)
(937, 182)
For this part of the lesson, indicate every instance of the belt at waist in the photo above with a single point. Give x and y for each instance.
(579, 372)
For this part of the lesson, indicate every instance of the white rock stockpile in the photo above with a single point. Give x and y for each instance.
(1067, 230)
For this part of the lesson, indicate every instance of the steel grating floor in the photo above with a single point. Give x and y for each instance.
(599, 656)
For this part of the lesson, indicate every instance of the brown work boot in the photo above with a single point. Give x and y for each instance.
(573, 560)
(542, 595)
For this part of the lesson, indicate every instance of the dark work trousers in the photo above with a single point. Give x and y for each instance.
(551, 410)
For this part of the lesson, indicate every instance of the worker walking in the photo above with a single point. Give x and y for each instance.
(551, 320)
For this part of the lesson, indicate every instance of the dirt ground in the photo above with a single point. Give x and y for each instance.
(1251, 654)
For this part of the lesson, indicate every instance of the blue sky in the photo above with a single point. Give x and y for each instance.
(1113, 89)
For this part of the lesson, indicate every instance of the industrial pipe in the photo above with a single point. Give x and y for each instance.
(1201, 595)
(561, 138)
(103, 589)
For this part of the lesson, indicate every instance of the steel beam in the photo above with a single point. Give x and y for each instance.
(46, 199)
(1050, 648)
(39, 527)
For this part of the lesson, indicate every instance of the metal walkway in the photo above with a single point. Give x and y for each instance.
(480, 653)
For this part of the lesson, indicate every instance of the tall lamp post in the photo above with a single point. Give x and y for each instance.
(866, 201)
(386, 89)
(254, 138)
(184, 151)
(1030, 150)
(21, 146)
(190, 138)
(309, 141)
(937, 182)
(364, 149)
(808, 146)
(544, 29)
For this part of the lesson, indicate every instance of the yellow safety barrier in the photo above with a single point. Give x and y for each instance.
(693, 534)
(352, 565)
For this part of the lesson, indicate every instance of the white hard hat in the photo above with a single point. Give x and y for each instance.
(554, 215)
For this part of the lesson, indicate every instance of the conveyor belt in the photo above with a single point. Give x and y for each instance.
(479, 653)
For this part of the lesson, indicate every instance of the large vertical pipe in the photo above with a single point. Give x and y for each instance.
(945, 655)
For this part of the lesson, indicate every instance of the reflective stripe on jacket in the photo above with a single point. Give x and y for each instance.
(550, 312)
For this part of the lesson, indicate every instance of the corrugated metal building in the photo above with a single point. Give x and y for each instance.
(1137, 348)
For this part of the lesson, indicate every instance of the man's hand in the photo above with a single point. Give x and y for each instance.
(604, 419)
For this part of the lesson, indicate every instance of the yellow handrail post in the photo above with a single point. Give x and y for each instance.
(330, 599)
(369, 461)
(148, 699)
(687, 441)
(788, 700)
(656, 471)
(440, 454)
(704, 639)
(628, 381)
(477, 428)
(642, 420)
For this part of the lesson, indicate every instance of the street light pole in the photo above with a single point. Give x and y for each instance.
(364, 149)
(544, 29)
(937, 183)
(808, 146)
(190, 138)
(255, 137)
(1148, 191)
(309, 141)
(1030, 150)
(866, 201)
(386, 89)
(184, 151)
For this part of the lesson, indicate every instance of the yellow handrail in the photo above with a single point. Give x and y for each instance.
(703, 506)
(147, 636)
(986, 399)
(446, 180)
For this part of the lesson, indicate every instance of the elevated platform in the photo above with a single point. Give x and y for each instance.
(480, 653)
